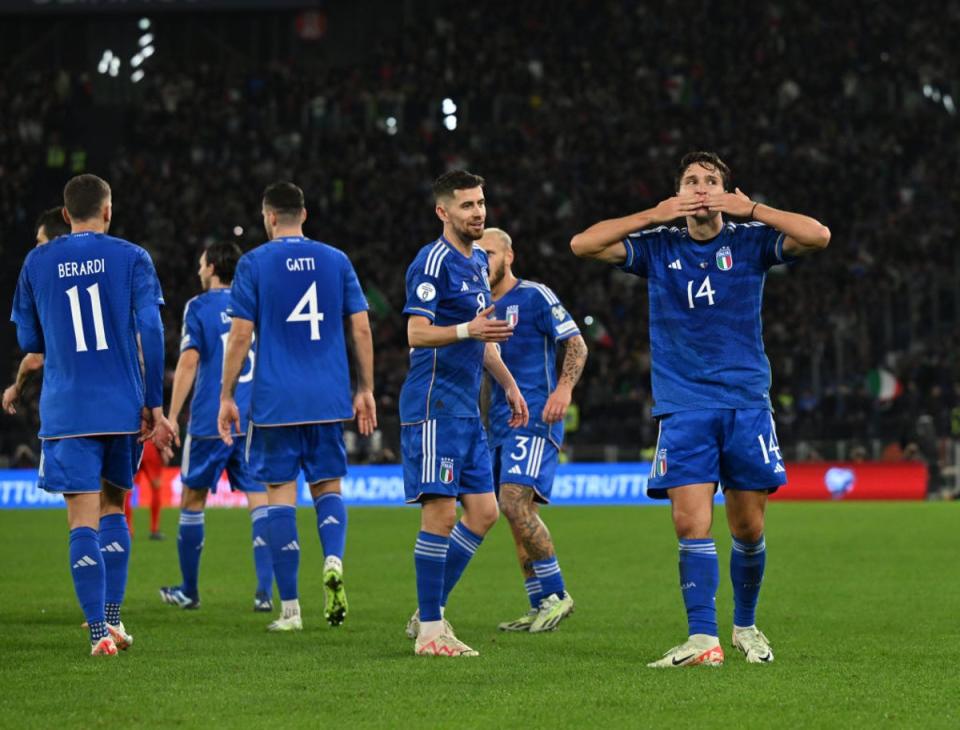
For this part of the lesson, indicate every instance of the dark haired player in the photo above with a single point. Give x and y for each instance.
(445, 452)
(302, 298)
(710, 380)
(203, 339)
(51, 224)
(84, 302)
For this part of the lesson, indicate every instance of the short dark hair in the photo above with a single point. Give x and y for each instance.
(52, 222)
(284, 198)
(445, 185)
(223, 256)
(710, 160)
(84, 196)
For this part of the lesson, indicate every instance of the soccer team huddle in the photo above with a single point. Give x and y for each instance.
(265, 349)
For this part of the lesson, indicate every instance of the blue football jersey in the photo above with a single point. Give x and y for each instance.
(76, 302)
(206, 325)
(706, 338)
(447, 288)
(297, 292)
(539, 323)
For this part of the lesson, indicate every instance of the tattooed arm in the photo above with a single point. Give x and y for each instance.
(574, 359)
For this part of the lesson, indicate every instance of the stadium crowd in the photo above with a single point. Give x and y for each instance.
(812, 110)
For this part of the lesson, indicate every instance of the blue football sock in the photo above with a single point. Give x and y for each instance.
(331, 523)
(88, 578)
(534, 592)
(285, 548)
(747, 561)
(429, 559)
(262, 560)
(551, 579)
(699, 580)
(115, 553)
(463, 544)
(189, 548)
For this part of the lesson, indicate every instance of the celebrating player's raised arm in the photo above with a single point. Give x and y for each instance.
(493, 363)
(604, 240)
(364, 404)
(238, 345)
(803, 234)
(421, 333)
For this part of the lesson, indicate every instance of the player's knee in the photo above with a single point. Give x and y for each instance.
(691, 526)
(193, 499)
(747, 530)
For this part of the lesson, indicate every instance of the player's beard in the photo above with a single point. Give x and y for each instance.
(496, 276)
(468, 234)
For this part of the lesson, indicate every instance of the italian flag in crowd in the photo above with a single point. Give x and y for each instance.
(883, 384)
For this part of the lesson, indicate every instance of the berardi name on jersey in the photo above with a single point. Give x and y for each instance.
(81, 268)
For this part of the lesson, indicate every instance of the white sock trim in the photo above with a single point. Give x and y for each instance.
(290, 608)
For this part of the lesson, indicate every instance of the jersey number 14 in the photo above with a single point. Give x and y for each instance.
(704, 292)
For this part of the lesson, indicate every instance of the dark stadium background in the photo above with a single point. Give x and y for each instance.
(573, 111)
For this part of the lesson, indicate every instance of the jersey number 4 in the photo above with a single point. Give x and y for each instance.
(703, 292)
(73, 294)
(306, 310)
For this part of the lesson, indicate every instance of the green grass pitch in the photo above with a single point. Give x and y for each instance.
(861, 602)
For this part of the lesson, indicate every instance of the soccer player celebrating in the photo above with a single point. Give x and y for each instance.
(710, 380)
(83, 302)
(51, 224)
(297, 294)
(445, 452)
(206, 325)
(525, 459)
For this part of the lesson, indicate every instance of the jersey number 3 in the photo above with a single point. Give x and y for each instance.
(703, 292)
(306, 310)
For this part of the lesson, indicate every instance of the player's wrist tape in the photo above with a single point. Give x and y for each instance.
(462, 331)
(754, 208)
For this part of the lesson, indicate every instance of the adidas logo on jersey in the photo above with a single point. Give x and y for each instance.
(85, 562)
(331, 520)
(778, 469)
(514, 470)
(113, 547)
(676, 265)
(259, 542)
(464, 287)
(292, 545)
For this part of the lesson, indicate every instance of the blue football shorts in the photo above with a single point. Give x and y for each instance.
(204, 460)
(733, 448)
(445, 457)
(527, 459)
(276, 454)
(76, 465)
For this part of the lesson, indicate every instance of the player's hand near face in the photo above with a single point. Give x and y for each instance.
(489, 330)
(519, 414)
(228, 417)
(365, 411)
(679, 206)
(10, 397)
(736, 203)
(557, 404)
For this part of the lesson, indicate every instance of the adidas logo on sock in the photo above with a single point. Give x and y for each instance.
(464, 287)
(778, 469)
(292, 545)
(515, 470)
(331, 520)
(676, 265)
(259, 542)
(84, 562)
(113, 547)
